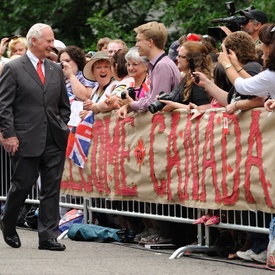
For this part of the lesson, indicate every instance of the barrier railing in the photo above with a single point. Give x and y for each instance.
(67, 201)
(233, 219)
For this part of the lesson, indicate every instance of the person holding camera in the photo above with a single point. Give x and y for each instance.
(240, 45)
(192, 56)
(163, 72)
(261, 85)
(137, 67)
(255, 19)
(72, 60)
(120, 74)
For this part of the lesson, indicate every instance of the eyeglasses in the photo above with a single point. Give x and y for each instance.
(140, 39)
(111, 52)
(134, 65)
(182, 56)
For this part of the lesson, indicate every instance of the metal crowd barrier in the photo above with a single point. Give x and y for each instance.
(230, 219)
(5, 176)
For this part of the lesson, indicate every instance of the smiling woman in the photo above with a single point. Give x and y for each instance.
(17, 46)
(98, 69)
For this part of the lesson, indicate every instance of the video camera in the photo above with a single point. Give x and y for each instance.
(233, 22)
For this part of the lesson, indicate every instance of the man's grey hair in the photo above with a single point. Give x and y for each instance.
(35, 31)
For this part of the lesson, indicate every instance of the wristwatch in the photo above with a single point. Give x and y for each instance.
(228, 66)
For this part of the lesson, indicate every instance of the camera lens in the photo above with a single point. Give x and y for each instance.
(156, 106)
(152, 108)
(123, 95)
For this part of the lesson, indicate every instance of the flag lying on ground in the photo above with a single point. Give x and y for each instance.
(79, 141)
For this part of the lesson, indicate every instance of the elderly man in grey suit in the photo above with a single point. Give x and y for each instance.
(34, 111)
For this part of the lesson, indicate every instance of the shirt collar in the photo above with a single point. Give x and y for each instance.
(33, 58)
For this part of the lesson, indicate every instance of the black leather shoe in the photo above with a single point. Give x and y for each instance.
(51, 244)
(12, 239)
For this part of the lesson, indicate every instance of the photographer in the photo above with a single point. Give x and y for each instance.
(186, 93)
(256, 19)
(243, 58)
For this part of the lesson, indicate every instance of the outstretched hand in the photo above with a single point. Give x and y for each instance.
(270, 105)
(201, 77)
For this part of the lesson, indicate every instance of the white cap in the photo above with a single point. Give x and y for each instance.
(59, 45)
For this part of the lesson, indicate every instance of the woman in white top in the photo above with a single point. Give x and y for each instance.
(262, 84)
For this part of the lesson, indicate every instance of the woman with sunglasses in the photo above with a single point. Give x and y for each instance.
(192, 56)
(17, 46)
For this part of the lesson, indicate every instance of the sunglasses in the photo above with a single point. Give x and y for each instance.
(14, 37)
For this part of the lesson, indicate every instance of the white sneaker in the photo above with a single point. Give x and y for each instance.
(149, 238)
(145, 233)
(246, 255)
(260, 258)
(155, 238)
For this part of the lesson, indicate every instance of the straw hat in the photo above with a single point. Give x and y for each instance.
(87, 71)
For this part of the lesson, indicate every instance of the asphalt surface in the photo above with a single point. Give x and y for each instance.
(110, 258)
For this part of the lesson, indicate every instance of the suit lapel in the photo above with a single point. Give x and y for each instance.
(48, 72)
(29, 68)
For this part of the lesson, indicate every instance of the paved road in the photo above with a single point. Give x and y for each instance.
(107, 258)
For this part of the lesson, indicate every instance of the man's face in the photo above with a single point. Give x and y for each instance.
(43, 46)
(250, 27)
(143, 45)
(113, 48)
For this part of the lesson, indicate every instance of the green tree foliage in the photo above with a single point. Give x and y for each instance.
(83, 22)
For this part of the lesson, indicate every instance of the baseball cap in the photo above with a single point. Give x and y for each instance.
(58, 45)
(260, 16)
(173, 53)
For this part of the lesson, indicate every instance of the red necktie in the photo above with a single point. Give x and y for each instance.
(39, 71)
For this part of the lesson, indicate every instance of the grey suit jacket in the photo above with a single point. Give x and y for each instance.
(27, 107)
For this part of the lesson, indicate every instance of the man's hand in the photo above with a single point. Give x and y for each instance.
(11, 145)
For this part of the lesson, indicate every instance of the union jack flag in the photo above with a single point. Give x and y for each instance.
(79, 141)
(71, 97)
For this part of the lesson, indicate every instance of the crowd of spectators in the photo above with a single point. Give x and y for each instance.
(230, 78)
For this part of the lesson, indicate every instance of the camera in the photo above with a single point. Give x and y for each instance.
(157, 105)
(131, 92)
(192, 69)
(60, 64)
(233, 22)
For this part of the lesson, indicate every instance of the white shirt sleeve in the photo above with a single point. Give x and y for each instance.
(262, 84)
